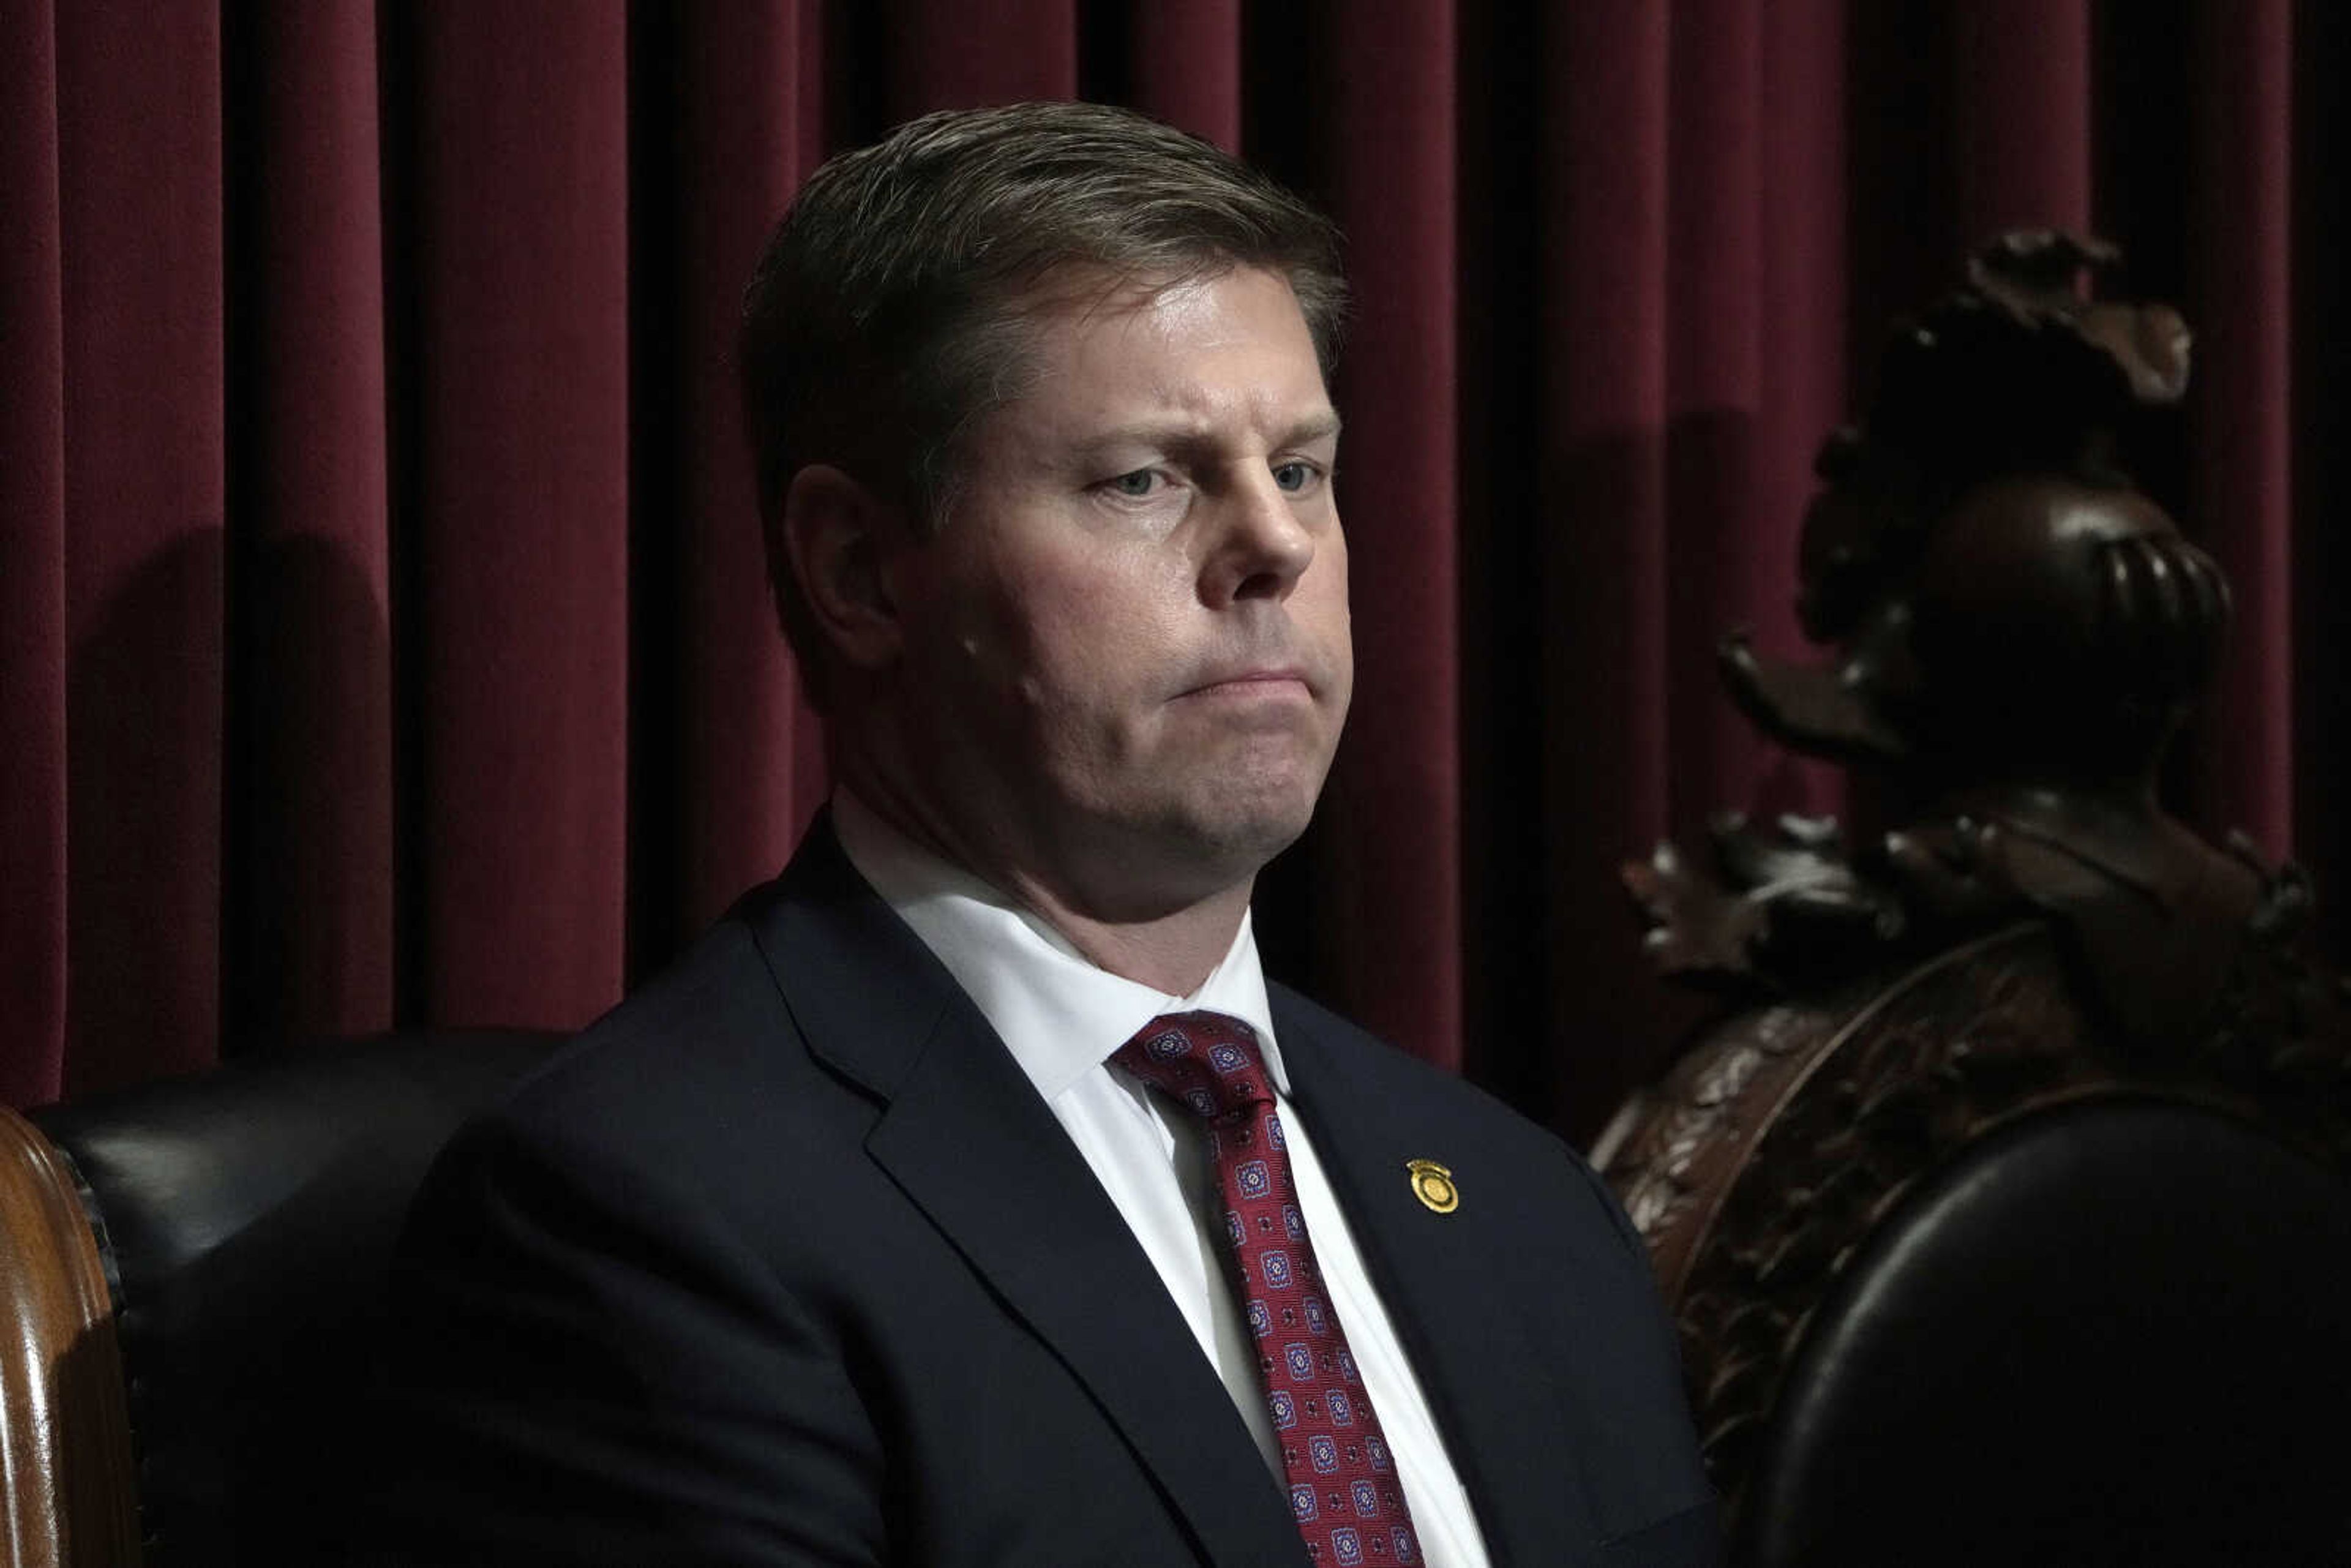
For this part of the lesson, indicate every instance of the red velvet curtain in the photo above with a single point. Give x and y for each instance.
(382, 637)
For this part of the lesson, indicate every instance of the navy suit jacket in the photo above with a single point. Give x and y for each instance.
(785, 1261)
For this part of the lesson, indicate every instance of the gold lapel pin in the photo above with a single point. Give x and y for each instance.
(1432, 1184)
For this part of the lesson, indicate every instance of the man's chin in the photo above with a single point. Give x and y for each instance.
(1232, 842)
(1151, 869)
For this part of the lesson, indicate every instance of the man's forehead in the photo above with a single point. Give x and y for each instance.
(1117, 318)
(1182, 358)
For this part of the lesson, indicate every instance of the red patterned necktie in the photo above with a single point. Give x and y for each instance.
(1343, 1489)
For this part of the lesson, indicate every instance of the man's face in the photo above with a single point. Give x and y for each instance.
(1127, 652)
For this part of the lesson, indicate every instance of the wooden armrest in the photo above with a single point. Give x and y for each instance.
(71, 1495)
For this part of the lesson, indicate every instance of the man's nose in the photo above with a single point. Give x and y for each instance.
(1262, 547)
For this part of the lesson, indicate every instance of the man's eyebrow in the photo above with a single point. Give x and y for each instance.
(1323, 426)
(1179, 433)
(1142, 433)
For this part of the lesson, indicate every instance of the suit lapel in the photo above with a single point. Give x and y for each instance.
(1502, 1422)
(966, 1137)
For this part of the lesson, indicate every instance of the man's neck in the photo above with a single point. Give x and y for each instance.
(1174, 952)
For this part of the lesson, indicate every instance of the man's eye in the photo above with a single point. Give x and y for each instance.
(1137, 485)
(1294, 476)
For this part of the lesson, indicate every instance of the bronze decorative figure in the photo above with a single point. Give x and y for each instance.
(2015, 632)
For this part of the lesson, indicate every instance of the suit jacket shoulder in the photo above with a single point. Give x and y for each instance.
(785, 1263)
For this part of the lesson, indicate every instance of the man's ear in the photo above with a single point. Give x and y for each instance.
(838, 535)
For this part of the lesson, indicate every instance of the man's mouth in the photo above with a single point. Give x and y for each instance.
(1264, 682)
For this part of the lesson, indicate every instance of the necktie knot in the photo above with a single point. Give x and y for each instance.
(1209, 1062)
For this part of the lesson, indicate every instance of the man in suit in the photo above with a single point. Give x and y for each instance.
(967, 1197)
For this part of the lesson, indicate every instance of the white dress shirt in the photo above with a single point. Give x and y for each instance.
(1061, 1016)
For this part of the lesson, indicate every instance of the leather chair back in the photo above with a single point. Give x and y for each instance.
(204, 1259)
(2112, 1332)
(1961, 1279)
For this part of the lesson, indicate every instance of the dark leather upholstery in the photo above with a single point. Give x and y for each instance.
(246, 1217)
(2112, 1332)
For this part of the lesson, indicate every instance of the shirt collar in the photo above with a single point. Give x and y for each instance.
(1059, 1013)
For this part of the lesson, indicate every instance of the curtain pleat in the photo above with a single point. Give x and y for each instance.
(1801, 328)
(139, 231)
(1600, 515)
(307, 947)
(749, 761)
(948, 53)
(2240, 501)
(1391, 842)
(2022, 94)
(1720, 553)
(516, 512)
(2320, 345)
(384, 631)
(33, 863)
(1185, 66)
